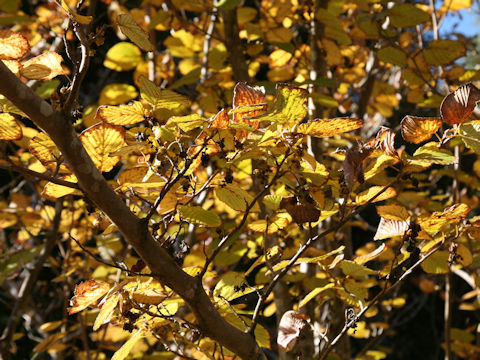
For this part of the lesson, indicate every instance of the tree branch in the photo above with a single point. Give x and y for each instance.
(135, 233)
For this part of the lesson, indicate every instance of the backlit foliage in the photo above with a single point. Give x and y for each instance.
(254, 183)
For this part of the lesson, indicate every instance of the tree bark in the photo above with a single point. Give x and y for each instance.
(135, 231)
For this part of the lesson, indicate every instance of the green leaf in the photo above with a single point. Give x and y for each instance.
(442, 52)
(185, 123)
(290, 105)
(161, 98)
(123, 56)
(124, 351)
(430, 153)
(437, 263)
(314, 293)
(392, 55)
(47, 88)
(406, 15)
(235, 197)
(356, 270)
(17, 261)
(470, 134)
(199, 216)
(333, 27)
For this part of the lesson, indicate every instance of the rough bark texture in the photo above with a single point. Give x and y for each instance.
(133, 229)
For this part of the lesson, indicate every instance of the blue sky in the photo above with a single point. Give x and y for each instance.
(469, 25)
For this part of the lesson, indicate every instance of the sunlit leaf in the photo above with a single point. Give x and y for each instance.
(231, 286)
(114, 94)
(100, 141)
(356, 270)
(122, 114)
(367, 195)
(330, 127)
(393, 212)
(43, 67)
(470, 134)
(251, 100)
(82, 19)
(86, 294)
(106, 312)
(13, 45)
(455, 5)
(124, 351)
(130, 29)
(290, 105)
(362, 259)
(261, 226)
(123, 56)
(7, 219)
(44, 149)
(149, 296)
(431, 153)
(9, 127)
(457, 106)
(161, 98)
(235, 197)
(289, 329)
(418, 129)
(198, 215)
(314, 293)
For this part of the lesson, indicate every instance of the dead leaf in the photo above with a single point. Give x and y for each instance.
(459, 105)
(289, 329)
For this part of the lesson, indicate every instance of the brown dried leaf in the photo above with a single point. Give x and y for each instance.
(289, 329)
(244, 95)
(300, 213)
(353, 165)
(386, 141)
(12, 45)
(459, 105)
(87, 293)
(220, 121)
(418, 129)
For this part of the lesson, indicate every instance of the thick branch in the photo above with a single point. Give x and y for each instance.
(97, 189)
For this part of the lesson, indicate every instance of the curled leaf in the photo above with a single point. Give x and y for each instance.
(418, 129)
(389, 228)
(87, 293)
(386, 141)
(300, 213)
(353, 165)
(289, 329)
(457, 106)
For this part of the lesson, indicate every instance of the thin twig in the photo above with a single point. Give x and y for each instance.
(206, 43)
(36, 174)
(29, 282)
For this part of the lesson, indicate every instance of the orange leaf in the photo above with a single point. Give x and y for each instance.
(418, 129)
(100, 141)
(43, 67)
(9, 127)
(87, 293)
(12, 45)
(457, 106)
(330, 127)
(244, 95)
(220, 121)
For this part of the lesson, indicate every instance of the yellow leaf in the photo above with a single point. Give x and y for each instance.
(115, 94)
(455, 5)
(362, 259)
(279, 222)
(123, 56)
(100, 141)
(161, 98)
(43, 67)
(122, 114)
(368, 194)
(55, 191)
(44, 149)
(7, 219)
(12, 45)
(149, 296)
(290, 105)
(198, 215)
(137, 179)
(331, 127)
(437, 263)
(9, 127)
(130, 29)
(235, 197)
(82, 19)
(87, 293)
(416, 129)
(314, 293)
(106, 312)
(123, 352)
(393, 212)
